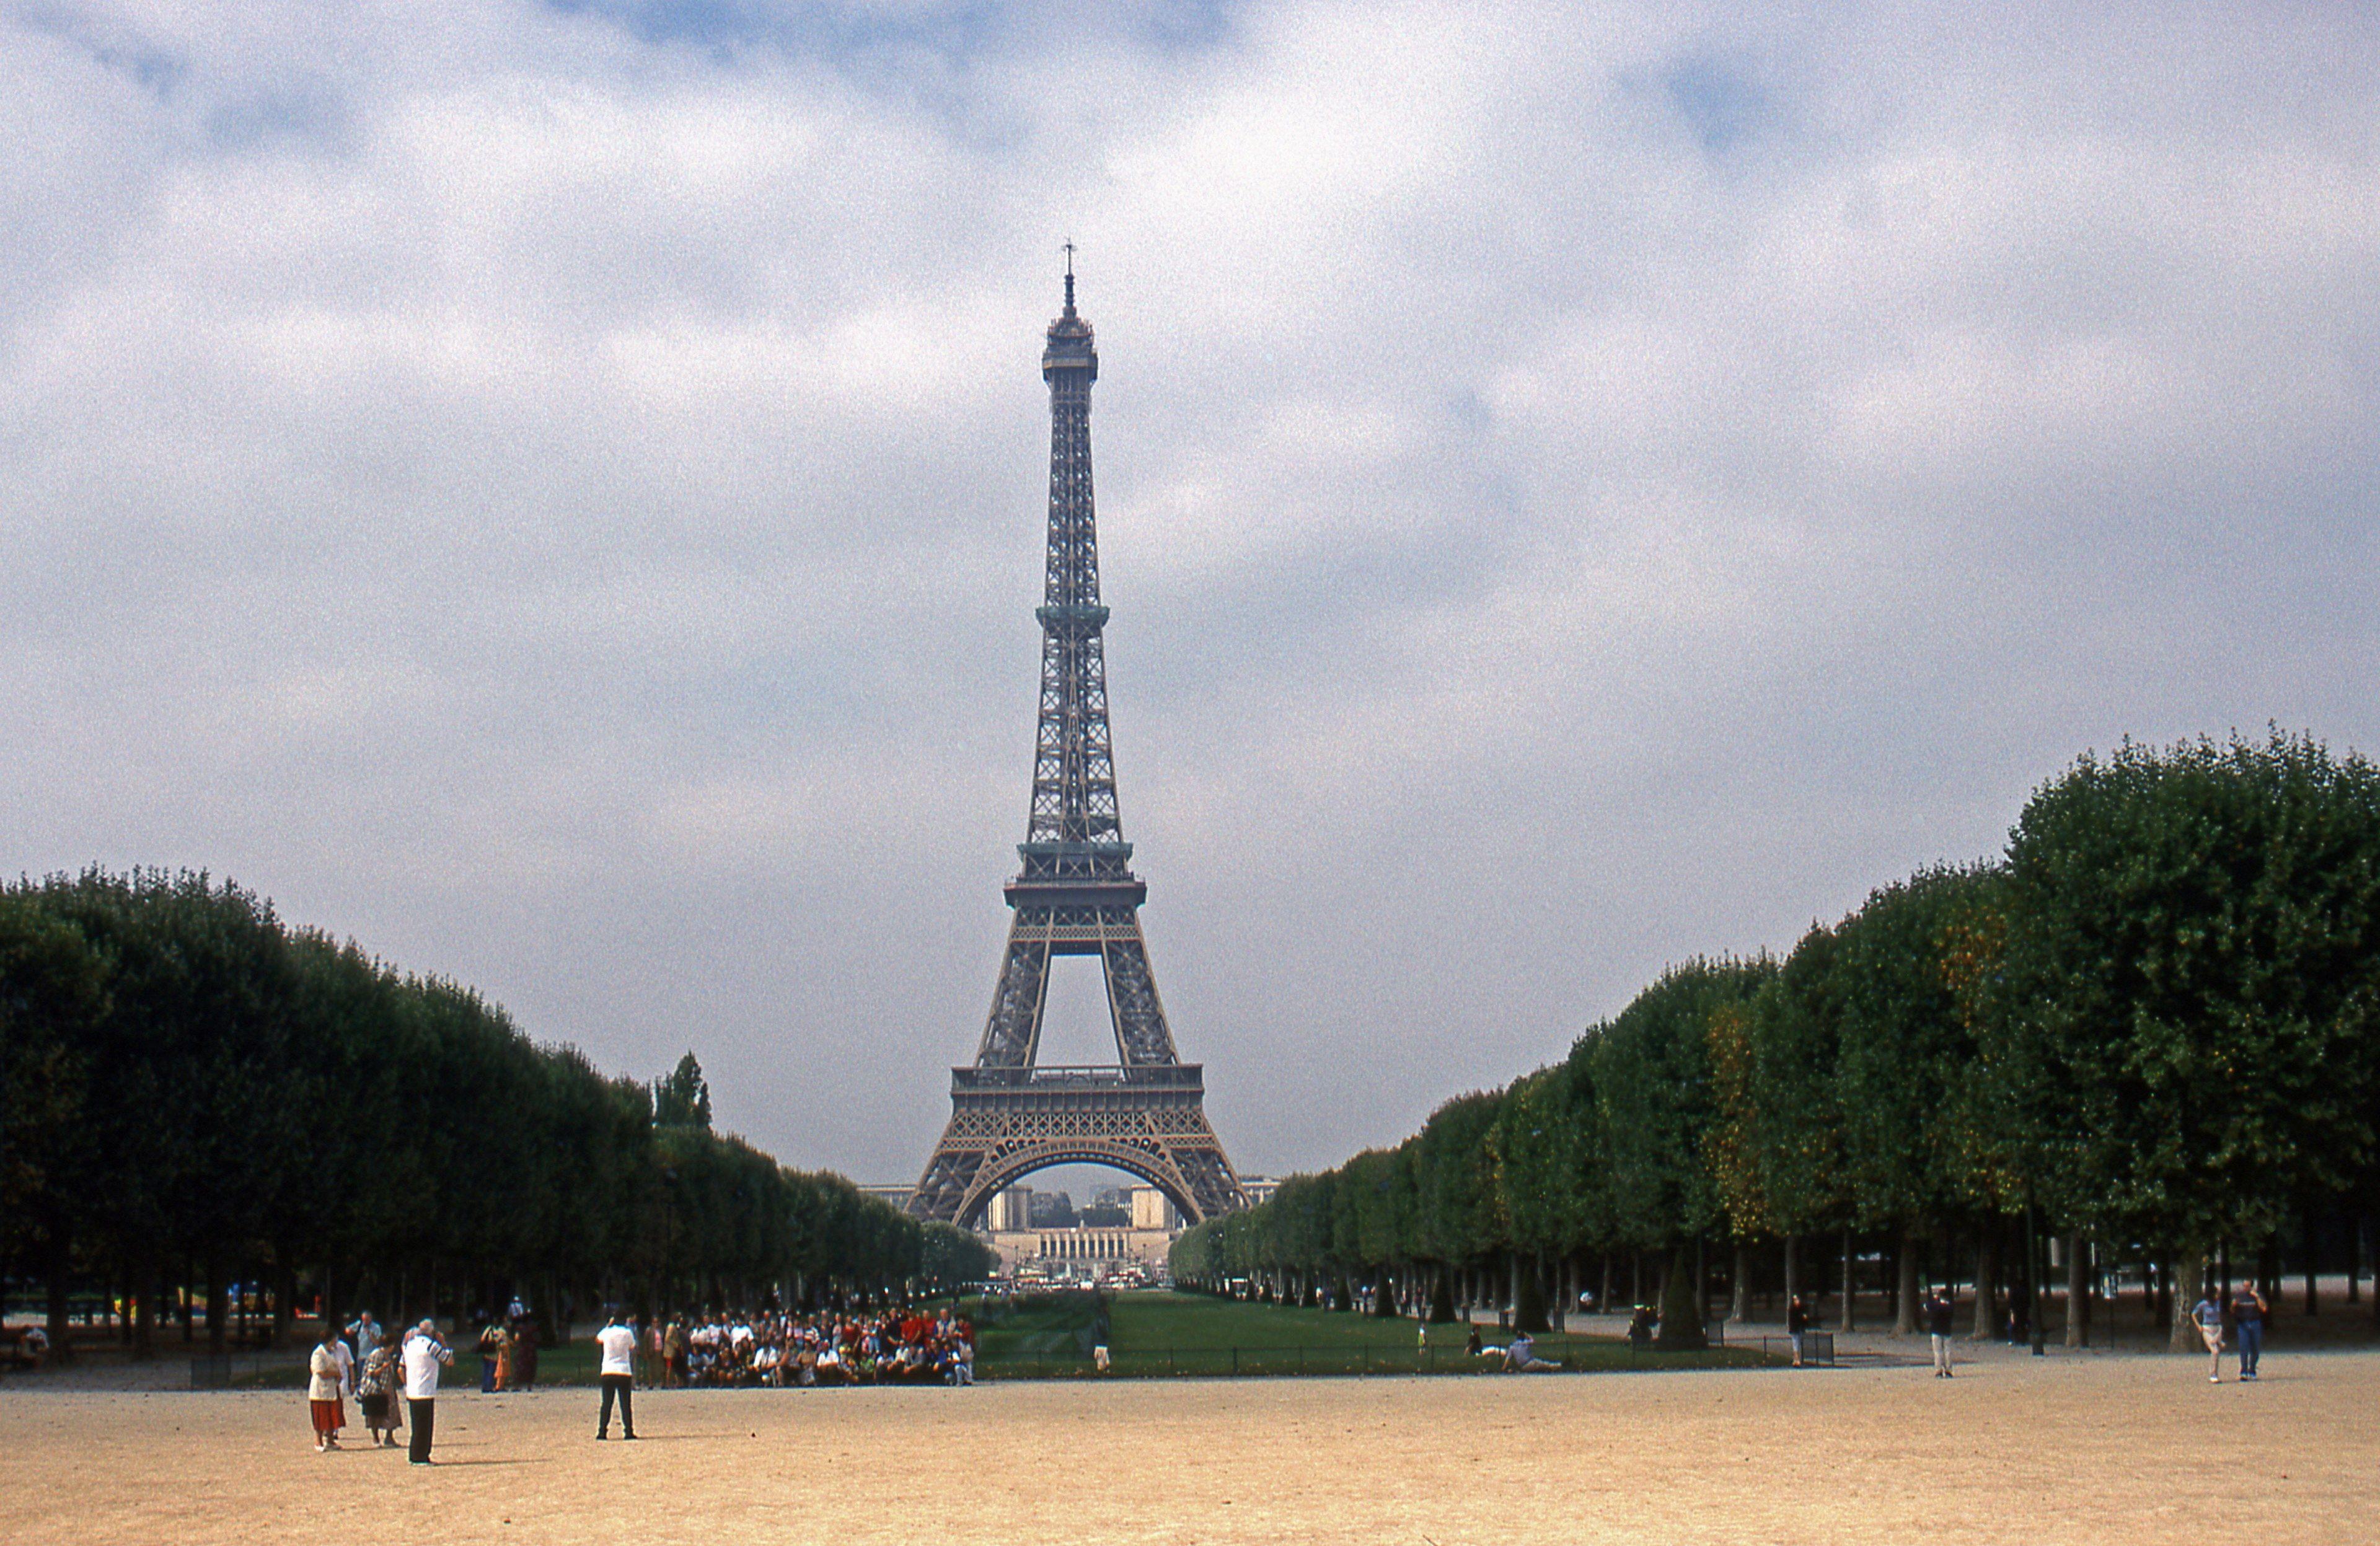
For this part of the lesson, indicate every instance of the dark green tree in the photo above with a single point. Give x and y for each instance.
(682, 1096)
(2186, 1028)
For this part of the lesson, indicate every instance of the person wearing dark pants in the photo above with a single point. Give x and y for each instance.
(425, 1354)
(619, 1377)
(2248, 1314)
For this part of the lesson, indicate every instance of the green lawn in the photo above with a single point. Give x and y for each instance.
(1158, 1334)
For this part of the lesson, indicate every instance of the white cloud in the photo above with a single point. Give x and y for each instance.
(557, 494)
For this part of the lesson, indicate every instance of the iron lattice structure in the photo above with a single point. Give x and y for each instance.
(1075, 894)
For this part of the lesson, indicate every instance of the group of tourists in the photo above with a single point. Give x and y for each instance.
(901, 1347)
(508, 1351)
(394, 1380)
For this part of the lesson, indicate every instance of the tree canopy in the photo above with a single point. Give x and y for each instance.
(194, 1089)
(2153, 1018)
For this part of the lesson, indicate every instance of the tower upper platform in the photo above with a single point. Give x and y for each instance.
(1070, 346)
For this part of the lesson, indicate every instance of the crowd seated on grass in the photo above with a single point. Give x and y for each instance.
(901, 1346)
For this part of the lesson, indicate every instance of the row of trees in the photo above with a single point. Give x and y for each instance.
(197, 1094)
(2147, 1028)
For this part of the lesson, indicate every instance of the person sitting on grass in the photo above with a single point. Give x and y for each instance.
(1520, 1357)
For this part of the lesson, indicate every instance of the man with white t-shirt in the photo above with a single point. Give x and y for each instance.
(619, 1376)
(424, 1353)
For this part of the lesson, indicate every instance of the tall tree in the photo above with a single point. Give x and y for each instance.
(2190, 987)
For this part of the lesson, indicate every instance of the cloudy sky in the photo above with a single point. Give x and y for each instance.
(554, 490)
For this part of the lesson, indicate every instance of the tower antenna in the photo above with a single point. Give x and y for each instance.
(1070, 273)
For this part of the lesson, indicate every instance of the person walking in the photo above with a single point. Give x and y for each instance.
(425, 1354)
(324, 1390)
(1940, 1316)
(2248, 1314)
(618, 1373)
(2209, 1316)
(1797, 1321)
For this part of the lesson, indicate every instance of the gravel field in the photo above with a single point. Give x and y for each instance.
(2099, 1450)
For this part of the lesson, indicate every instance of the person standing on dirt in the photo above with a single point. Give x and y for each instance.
(2248, 1313)
(618, 1374)
(673, 1353)
(2209, 1316)
(376, 1385)
(325, 1387)
(425, 1354)
(1939, 1318)
(1797, 1320)
(366, 1330)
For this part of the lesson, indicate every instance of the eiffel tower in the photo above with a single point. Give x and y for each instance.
(1074, 896)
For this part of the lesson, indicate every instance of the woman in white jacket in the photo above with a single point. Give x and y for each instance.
(325, 1380)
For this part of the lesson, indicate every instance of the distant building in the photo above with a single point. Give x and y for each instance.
(1009, 1209)
(1134, 1241)
(1151, 1211)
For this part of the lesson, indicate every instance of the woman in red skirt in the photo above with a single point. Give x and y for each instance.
(322, 1393)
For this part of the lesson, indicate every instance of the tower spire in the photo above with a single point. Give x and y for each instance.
(1070, 276)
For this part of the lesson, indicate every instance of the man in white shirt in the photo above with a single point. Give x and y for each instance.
(424, 1353)
(619, 1376)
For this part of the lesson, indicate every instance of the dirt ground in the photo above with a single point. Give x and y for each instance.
(2089, 1450)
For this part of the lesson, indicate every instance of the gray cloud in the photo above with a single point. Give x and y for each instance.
(555, 491)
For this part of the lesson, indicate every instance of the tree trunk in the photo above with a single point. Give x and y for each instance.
(218, 1307)
(2312, 1266)
(1528, 1294)
(2185, 1276)
(1739, 1308)
(144, 1307)
(1850, 1292)
(285, 1303)
(1681, 1310)
(1905, 1298)
(57, 1272)
(1793, 1282)
(2078, 1289)
(1988, 1268)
